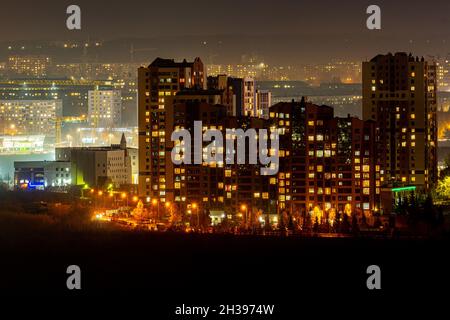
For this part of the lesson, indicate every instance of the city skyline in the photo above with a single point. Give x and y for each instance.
(273, 152)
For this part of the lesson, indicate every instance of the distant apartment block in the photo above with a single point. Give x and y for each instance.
(29, 65)
(229, 97)
(104, 108)
(72, 93)
(263, 103)
(29, 117)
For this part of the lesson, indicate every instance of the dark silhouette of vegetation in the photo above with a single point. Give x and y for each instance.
(422, 216)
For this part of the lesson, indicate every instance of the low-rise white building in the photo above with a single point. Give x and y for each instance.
(98, 166)
(40, 175)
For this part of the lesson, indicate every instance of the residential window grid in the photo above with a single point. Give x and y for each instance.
(396, 89)
(160, 81)
(333, 170)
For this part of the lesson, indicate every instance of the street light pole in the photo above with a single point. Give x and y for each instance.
(195, 207)
(198, 219)
(245, 209)
(155, 202)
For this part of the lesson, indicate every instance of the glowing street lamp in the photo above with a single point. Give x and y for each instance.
(69, 140)
(245, 209)
(124, 196)
(195, 207)
(155, 204)
(169, 207)
(348, 209)
(83, 190)
(97, 200)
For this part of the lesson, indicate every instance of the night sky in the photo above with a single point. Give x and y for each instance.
(281, 29)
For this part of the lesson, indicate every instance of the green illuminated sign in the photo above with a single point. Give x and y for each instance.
(411, 188)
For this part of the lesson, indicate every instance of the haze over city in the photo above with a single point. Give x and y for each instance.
(294, 32)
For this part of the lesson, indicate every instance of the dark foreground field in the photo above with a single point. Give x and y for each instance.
(167, 268)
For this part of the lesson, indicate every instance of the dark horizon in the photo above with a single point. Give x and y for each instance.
(290, 31)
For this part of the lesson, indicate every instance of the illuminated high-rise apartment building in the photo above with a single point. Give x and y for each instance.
(243, 91)
(399, 94)
(104, 108)
(162, 79)
(249, 105)
(218, 188)
(263, 103)
(327, 163)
